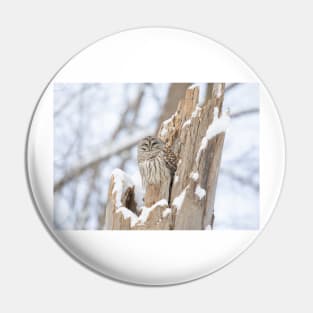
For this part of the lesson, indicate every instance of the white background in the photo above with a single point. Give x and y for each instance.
(274, 38)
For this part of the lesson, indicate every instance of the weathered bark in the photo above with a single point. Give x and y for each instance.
(196, 134)
(124, 213)
(175, 94)
(155, 193)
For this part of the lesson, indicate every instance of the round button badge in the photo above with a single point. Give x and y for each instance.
(155, 156)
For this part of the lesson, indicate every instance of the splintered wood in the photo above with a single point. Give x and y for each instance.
(195, 132)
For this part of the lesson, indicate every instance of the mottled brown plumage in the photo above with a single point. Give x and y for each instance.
(157, 163)
(170, 159)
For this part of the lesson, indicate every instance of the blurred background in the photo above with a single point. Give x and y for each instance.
(97, 128)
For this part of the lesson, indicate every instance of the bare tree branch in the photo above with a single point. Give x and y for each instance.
(113, 150)
(132, 106)
(176, 92)
(71, 98)
(231, 86)
(245, 112)
(248, 181)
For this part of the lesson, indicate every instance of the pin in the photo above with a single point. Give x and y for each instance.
(155, 156)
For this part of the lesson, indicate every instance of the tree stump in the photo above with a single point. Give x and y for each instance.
(195, 132)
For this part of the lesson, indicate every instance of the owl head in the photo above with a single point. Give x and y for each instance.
(150, 146)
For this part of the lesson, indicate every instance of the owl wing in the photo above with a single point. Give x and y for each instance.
(170, 159)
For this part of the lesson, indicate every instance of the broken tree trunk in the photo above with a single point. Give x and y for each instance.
(195, 132)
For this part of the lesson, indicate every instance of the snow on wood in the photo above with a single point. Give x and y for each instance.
(188, 122)
(166, 212)
(120, 216)
(200, 192)
(192, 213)
(176, 179)
(138, 196)
(139, 193)
(196, 112)
(128, 214)
(145, 212)
(194, 176)
(178, 201)
(219, 125)
(163, 132)
(193, 86)
(121, 182)
(165, 124)
(208, 227)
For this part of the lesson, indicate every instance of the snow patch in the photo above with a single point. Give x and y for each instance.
(196, 112)
(139, 193)
(165, 125)
(166, 212)
(188, 122)
(163, 132)
(200, 192)
(209, 227)
(121, 182)
(178, 201)
(194, 176)
(145, 212)
(194, 86)
(219, 125)
(128, 214)
(176, 179)
(166, 122)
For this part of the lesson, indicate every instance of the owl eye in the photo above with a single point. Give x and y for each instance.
(155, 144)
(144, 147)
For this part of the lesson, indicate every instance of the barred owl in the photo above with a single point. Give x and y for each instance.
(157, 163)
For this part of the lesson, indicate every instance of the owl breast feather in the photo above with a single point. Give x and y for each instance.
(154, 171)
